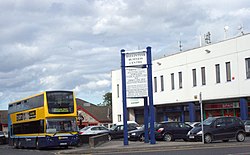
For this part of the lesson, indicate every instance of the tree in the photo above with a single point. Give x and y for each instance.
(107, 99)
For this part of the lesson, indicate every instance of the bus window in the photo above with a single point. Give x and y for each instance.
(60, 102)
(61, 125)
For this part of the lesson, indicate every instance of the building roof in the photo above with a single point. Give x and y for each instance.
(100, 113)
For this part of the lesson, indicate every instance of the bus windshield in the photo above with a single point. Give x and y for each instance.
(57, 125)
(60, 102)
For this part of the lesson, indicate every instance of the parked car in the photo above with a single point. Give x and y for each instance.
(219, 128)
(93, 130)
(169, 131)
(139, 133)
(193, 124)
(3, 138)
(131, 123)
(117, 131)
(247, 126)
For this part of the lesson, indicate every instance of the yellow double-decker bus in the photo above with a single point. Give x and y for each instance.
(44, 120)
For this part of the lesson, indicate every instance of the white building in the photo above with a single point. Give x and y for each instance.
(220, 71)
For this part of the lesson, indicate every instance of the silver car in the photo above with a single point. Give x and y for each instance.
(93, 130)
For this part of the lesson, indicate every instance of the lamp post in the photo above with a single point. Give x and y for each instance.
(202, 128)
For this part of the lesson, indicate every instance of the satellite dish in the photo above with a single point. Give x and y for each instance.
(225, 33)
(226, 28)
(240, 28)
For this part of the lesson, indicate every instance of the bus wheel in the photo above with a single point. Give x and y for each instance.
(19, 145)
(37, 145)
(66, 147)
(15, 144)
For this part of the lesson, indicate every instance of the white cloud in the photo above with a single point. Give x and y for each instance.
(74, 45)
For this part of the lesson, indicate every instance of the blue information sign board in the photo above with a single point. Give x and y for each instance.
(136, 69)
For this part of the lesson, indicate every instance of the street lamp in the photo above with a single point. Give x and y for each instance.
(202, 128)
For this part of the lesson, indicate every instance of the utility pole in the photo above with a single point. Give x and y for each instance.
(202, 127)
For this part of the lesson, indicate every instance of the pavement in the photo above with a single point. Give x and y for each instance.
(117, 146)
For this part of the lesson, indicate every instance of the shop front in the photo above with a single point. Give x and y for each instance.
(222, 109)
(170, 113)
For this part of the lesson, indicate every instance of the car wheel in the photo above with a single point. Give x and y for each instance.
(142, 138)
(208, 138)
(240, 137)
(167, 137)
(109, 138)
(185, 139)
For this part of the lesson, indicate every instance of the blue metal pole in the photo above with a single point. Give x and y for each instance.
(150, 96)
(146, 120)
(182, 114)
(124, 98)
(243, 109)
(191, 108)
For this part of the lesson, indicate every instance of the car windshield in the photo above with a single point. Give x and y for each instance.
(156, 125)
(247, 123)
(85, 128)
(113, 127)
(208, 121)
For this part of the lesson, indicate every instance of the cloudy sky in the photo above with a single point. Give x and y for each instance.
(75, 44)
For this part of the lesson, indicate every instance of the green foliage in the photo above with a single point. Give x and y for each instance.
(107, 99)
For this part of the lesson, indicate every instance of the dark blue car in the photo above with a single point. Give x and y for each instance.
(169, 131)
(219, 128)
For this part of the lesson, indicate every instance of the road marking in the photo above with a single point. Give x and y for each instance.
(240, 153)
(176, 149)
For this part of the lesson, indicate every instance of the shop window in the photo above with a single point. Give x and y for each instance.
(228, 71)
(247, 68)
(217, 73)
(203, 76)
(194, 77)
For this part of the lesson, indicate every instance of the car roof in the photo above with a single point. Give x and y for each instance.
(165, 122)
(225, 117)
